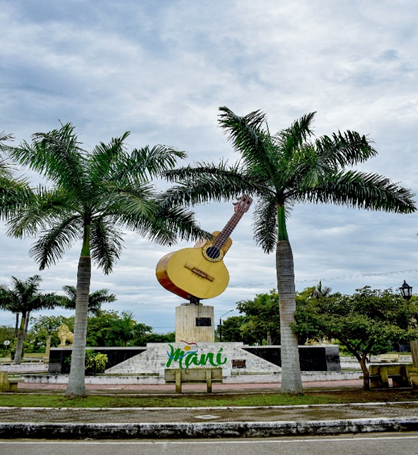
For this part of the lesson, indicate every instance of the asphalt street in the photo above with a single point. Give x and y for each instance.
(405, 444)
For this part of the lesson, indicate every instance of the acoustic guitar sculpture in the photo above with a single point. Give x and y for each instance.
(199, 272)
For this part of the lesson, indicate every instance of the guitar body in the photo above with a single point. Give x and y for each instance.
(191, 273)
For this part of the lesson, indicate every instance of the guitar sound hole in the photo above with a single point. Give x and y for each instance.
(212, 252)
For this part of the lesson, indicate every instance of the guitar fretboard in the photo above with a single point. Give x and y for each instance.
(227, 230)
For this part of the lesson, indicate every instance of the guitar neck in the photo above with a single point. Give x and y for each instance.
(227, 230)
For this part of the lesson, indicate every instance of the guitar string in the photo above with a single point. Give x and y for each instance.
(227, 230)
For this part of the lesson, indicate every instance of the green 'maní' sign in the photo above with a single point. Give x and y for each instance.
(186, 358)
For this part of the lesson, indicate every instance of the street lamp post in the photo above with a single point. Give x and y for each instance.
(406, 292)
(220, 324)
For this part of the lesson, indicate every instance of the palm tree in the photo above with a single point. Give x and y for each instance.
(22, 298)
(94, 196)
(281, 170)
(96, 299)
(126, 328)
(320, 291)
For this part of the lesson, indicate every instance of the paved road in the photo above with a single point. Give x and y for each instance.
(405, 444)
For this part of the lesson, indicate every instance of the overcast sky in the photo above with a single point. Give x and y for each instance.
(161, 69)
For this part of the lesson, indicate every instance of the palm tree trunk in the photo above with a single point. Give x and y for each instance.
(20, 340)
(76, 381)
(27, 323)
(17, 325)
(291, 375)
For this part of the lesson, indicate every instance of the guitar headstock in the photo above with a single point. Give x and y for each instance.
(243, 204)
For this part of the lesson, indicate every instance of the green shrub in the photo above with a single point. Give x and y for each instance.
(95, 362)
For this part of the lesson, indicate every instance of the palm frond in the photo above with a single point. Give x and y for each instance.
(172, 222)
(250, 137)
(26, 289)
(45, 302)
(15, 195)
(24, 296)
(56, 155)
(106, 244)
(129, 202)
(5, 166)
(5, 137)
(344, 149)
(70, 291)
(96, 299)
(9, 301)
(38, 211)
(265, 224)
(148, 162)
(56, 241)
(363, 190)
(289, 140)
(204, 182)
(107, 160)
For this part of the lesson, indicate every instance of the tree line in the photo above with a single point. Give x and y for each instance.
(370, 321)
(105, 328)
(92, 197)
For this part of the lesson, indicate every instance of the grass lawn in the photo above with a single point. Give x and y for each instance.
(204, 399)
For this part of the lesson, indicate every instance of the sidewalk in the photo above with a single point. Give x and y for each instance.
(204, 422)
(188, 388)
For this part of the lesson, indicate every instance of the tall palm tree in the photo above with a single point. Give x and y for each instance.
(281, 170)
(96, 299)
(22, 298)
(94, 196)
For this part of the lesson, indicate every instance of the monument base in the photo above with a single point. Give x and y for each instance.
(195, 323)
(231, 357)
(235, 359)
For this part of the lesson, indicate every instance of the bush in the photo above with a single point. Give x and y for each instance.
(95, 362)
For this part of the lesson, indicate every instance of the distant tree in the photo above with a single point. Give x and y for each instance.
(236, 329)
(98, 328)
(367, 322)
(6, 333)
(126, 329)
(262, 318)
(319, 291)
(96, 299)
(109, 328)
(156, 338)
(24, 297)
(44, 326)
(230, 330)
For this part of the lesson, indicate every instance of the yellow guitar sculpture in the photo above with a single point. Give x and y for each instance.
(199, 272)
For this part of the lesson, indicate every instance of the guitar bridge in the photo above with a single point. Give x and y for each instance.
(199, 272)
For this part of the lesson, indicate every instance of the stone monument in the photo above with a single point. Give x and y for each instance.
(195, 323)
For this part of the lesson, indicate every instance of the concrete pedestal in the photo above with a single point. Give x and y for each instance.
(195, 323)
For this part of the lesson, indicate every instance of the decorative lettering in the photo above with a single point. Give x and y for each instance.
(188, 355)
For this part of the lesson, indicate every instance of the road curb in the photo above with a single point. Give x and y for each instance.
(204, 429)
